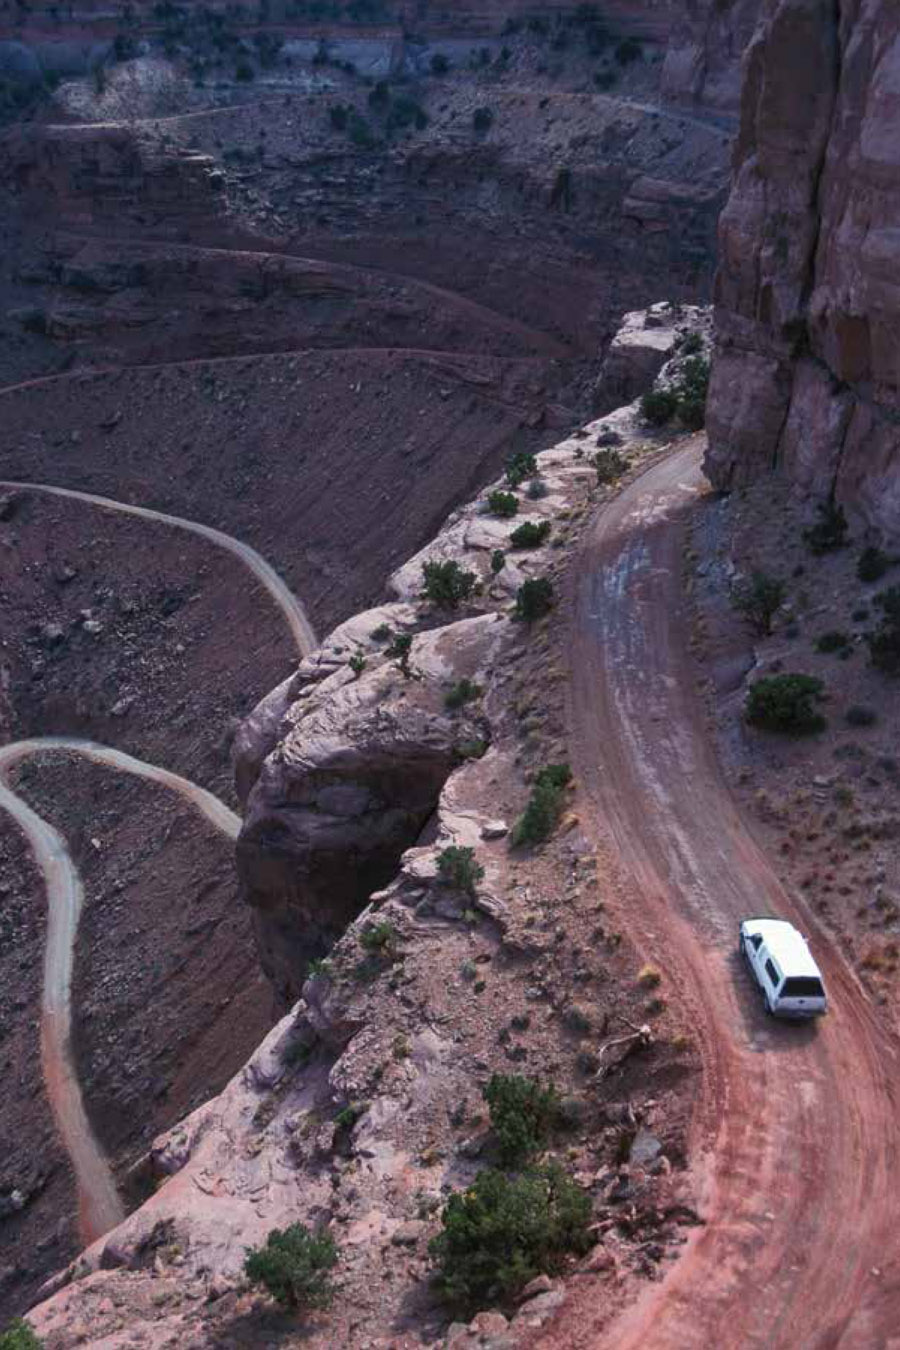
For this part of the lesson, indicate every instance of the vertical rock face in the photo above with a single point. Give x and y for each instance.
(807, 372)
(703, 56)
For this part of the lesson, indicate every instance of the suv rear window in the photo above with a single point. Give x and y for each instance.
(802, 986)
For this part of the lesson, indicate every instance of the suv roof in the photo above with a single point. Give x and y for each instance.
(786, 944)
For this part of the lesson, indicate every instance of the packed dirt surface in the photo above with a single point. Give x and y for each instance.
(42, 1234)
(786, 1157)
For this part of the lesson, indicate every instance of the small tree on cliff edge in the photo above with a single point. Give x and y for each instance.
(294, 1265)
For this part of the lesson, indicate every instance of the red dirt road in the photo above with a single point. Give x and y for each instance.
(795, 1134)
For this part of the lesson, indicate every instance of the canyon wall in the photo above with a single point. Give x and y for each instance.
(806, 379)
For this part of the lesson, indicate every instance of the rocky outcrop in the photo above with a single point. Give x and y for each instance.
(806, 379)
(355, 775)
(647, 339)
(703, 58)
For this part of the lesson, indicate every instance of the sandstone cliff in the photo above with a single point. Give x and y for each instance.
(806, 379)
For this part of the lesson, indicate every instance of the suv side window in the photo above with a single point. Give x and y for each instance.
(772, 974)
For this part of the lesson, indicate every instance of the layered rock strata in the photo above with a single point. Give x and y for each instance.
(806, 379)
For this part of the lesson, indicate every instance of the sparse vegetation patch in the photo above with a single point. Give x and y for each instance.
(545, 805)
(294, 1266)
(786, 703)
(502, 1231)
(523, 1115)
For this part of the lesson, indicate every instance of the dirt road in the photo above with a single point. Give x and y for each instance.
(281, 593)
(99, 1206)
(795, 1135)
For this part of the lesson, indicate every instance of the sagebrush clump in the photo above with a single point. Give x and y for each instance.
(884, 642)
(534, 599)
(523, 1115)
(759, 599)
(504, 1230)
(830, 530)
(294, 1266)
(530, 534)
(503, 504)
(446, 584)
(545, 805)
(786, 703)
(19, 1336)
(459, 868)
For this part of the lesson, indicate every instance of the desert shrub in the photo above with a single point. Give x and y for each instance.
(872, 564)
(294, 1265)
(463, 692)
(244, 71)
(473, 749)
(503, 504)
(379, 938)
(649, 977)
(658, 406)
(19, 1336)
(610, 465)
(439, 64)
(401, 649)
(859, 716)
(758, 600)
(338, 115)
(785, 703)
(382, 633)
(317, 967)
(545, 805)
(530, 534)
(520, 466)
(348, 1115)
(498, 561)
(537, 488)
(534, 599)
(446, 583)
(482, 120)
(458, 868)
(360, 132)
(406, 112)
(379, 98)
(503, 1231)
(884, 643)
(833, 641)
(357, 664)
(690, 391)
(606, 79)
(628, 51)
(692, 344)
(523, 1113)
(830, 530)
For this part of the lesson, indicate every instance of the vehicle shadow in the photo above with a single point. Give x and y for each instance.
(763, 1031)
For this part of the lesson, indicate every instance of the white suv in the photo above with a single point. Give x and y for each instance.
(783, 967)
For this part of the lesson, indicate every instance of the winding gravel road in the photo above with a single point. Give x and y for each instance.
(796, 1133)
(99, 1206)
(281, 593)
